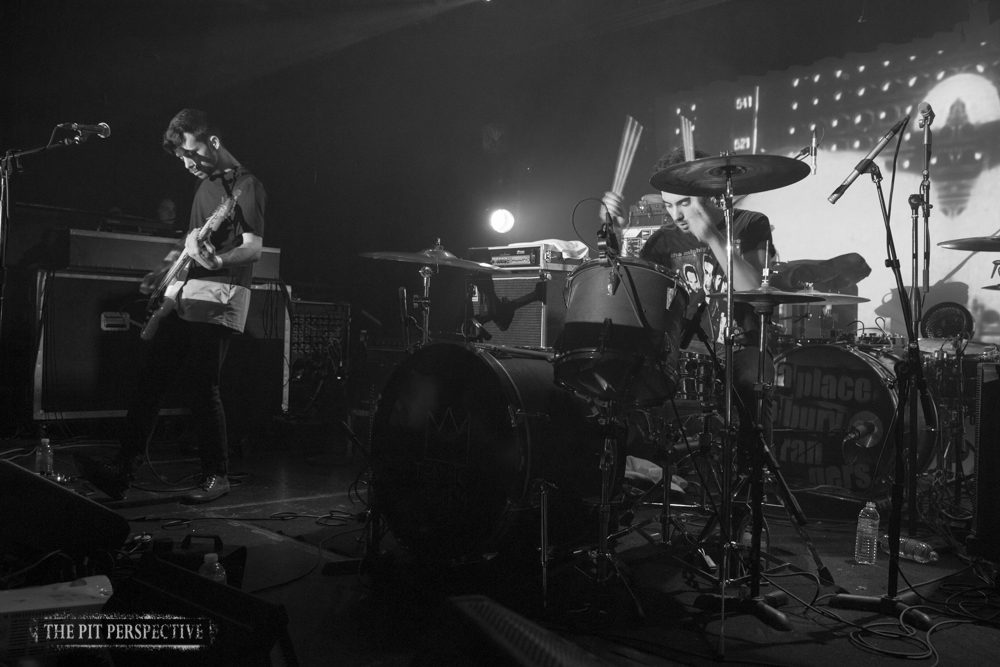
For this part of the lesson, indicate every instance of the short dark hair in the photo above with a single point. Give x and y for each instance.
(676, 156)
(192, 121)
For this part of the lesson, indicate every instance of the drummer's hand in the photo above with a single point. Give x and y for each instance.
(615, 206)
(692, 216)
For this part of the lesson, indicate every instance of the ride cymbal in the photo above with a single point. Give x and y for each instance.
(767, 295)
(436, 256)
(706, 177)
(832, 298)
(974, 243)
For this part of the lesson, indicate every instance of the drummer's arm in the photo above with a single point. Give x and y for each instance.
(747, 269)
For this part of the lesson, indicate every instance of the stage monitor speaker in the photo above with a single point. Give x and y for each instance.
(250, 631)
(88, 350)
(536, 324)
(984, 542)
(40, 515)
(495, 635)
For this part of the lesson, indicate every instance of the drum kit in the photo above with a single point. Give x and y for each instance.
(469, 439)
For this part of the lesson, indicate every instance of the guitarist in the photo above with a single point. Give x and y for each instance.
(210, 307)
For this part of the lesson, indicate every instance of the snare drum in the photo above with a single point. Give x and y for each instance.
(820, 393)
(623, 325)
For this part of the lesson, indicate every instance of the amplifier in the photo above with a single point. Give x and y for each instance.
(984, 542)
(535, 324)
(320, 332)
(88, 350)
(535, 257)
(634, 239)
(135, 252)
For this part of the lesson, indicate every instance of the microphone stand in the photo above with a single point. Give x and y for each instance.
(7, 162)
(907, 370)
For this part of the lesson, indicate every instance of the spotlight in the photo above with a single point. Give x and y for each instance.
(502, 220)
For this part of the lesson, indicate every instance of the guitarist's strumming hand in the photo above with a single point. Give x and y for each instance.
(202, 251)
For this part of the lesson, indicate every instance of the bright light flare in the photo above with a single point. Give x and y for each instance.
(502, 220)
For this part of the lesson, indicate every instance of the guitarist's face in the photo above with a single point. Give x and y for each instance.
(199, 158)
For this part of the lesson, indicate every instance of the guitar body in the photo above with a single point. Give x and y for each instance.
(162, 303)
(169, 282)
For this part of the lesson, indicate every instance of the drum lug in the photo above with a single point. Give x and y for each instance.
(518, 417)
(613, 282)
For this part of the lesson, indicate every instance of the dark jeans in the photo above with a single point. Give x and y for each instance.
(199, 349)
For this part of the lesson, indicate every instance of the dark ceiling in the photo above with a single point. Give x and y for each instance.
(365, 118)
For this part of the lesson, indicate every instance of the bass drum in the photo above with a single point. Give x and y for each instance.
(821, 392)
(461, 434)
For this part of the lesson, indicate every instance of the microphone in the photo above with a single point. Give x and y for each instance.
(812, 152)
(867, 162)
(859, 431)
(926, 113)
(692, 326)
(101, 129)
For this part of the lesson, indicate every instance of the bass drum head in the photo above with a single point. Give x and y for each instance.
(459, 437)
(820, 393)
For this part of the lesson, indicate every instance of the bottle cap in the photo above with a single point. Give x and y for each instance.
(212, 558)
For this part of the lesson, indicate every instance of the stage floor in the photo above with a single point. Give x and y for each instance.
(299, 509)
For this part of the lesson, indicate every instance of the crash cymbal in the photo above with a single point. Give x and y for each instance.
(436, 256)
(995, 288)
(766, 294)
(832, 298)
(975, 243)
(706, 177)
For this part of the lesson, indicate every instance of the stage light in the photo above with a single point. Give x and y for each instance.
(501, 220)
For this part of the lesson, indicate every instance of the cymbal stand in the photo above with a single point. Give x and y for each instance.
(907, 370)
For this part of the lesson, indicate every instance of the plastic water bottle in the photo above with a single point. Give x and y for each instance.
(44, 464)
(866, 542)
(212, 569)
(911, 549)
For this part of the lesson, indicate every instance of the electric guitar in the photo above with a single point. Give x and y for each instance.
(171, 277)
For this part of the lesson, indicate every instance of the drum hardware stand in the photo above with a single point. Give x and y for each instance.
(909, 381)
(543, 502)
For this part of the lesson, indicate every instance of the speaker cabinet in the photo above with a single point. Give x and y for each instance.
(535, 324)
(42, 516)
(88, 350)
(984, 542)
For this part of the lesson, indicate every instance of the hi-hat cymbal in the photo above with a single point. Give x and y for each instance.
(832, 298)
(436, 256)
(974, 243)
(765, 294)
(706, 177)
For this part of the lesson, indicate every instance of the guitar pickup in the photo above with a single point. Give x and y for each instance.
(115, 321)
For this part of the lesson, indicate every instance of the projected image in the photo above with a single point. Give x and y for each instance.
(850, 103)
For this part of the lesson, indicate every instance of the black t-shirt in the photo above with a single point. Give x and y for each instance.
(247, 217)
(702, 273)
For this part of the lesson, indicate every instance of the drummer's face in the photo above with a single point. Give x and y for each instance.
(678, 206)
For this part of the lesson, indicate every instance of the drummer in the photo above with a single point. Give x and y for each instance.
(694, 240)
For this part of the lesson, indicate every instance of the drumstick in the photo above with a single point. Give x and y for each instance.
(687, 137)
(626, 152)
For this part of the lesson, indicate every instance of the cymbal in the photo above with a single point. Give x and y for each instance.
(436, 256)
(706, 177)
(995, 288)
(766, 294)
(832, 298)
(975, 243)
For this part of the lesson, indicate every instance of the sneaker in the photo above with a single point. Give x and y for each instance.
(113, 479)
(209, 488)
